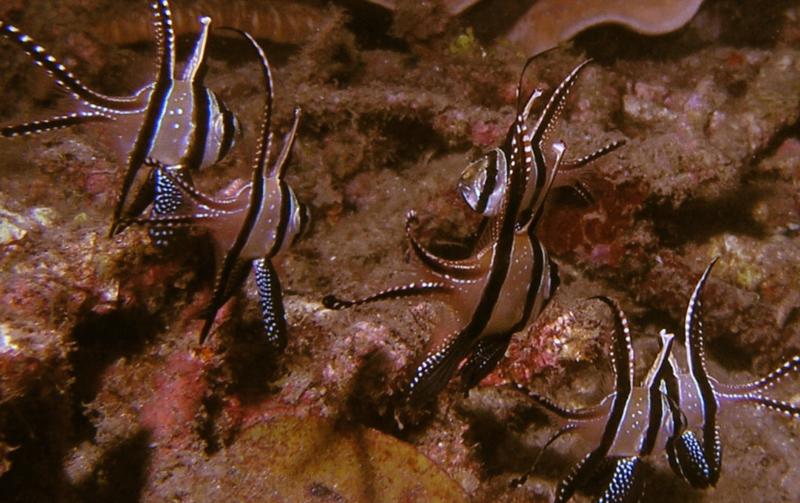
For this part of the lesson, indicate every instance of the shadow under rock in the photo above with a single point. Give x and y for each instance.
(121, 473)
(101, 339)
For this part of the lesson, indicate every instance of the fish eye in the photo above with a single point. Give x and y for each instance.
(301, 220)
(238, 127)
(219, 127)
(473, 181)
(225, 131)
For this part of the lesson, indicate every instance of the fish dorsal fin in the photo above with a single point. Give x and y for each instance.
(659, 366)
(536, 93)
(559, 148)
(278, 168)
(231, 256)
(693, 328)
(621, 348)
(555, 104)
(194, 66)
(145, 138)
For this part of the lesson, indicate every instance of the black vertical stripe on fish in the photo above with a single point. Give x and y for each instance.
(142, 146)
(622, 359)
(693, 327)
(489, 351)
(656, 403)
(284, 218)
(228, 132)
(489, 183)
(535, 282)
(501, 258)
(619, 404)
(256, 192)
(670, 379)
(155, 107)
(305, 222)
(201, 114)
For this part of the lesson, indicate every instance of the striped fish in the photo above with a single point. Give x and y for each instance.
(628, 425)
(485, 183)
(497, 291)
(510, 278)
(482, 183)
(701, 398)
(661, 415)
(260, 221)
(180, 122)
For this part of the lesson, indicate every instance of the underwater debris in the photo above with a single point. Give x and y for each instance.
(549, 22)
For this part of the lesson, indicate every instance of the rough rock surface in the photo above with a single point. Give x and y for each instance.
(105, 394)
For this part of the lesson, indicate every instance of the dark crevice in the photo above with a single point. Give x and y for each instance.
(213, 409)
(485, 22)
(370, 24)
(37, 428)
(700, 220)
(101, 339)
(250, 363)
(121, 474)
(367, 401)
(493, 444)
